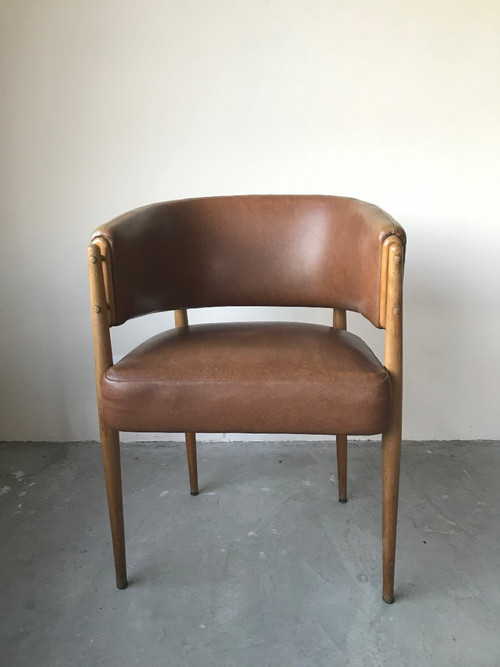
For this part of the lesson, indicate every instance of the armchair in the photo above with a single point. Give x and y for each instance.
(257, 377)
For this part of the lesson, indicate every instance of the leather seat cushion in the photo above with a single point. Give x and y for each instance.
(249, 378)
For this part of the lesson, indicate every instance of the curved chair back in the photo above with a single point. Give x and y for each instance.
(269, 250)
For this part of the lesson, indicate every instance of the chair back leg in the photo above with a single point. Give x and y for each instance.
(192, 462)
(182, 322)
(342, 467)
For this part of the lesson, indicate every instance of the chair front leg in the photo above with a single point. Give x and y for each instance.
(391, 456)
(110, 445)
(391, 439)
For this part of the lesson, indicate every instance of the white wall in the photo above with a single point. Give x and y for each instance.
(111, 104)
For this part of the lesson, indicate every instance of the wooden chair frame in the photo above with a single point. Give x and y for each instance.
(391, 319)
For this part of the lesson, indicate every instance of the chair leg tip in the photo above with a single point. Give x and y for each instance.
(342, 500)
(388, 599)
(194, 493)
(122, 585)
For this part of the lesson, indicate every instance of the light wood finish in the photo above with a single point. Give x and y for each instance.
(339, 318)
(103, 246)
(110, 444)
(192, 462)
(342, 466)
(181, 320)
(384, 276)
(340, 322)
(391, 438)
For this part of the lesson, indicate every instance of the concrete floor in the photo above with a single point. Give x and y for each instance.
(263, 568)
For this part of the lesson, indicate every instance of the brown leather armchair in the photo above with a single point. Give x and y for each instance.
(259, 377)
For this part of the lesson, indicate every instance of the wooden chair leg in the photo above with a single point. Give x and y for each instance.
(192, 462)
(342, 467)
(110, 446)
(391, 455)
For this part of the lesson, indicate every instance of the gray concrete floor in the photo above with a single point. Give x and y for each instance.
(264, 567)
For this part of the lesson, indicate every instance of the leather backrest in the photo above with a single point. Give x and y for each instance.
(256, 250)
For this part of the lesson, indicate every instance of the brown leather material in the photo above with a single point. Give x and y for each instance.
(259, 250)
(249, 378)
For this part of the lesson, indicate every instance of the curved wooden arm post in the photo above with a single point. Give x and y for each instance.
(181, 320)
(340, 322)
(110, 444)
(391, 438)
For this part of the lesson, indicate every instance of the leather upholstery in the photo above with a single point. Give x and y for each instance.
(249, 377)
(248, 250)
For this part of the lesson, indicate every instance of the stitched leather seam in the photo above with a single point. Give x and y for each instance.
(259, 382)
